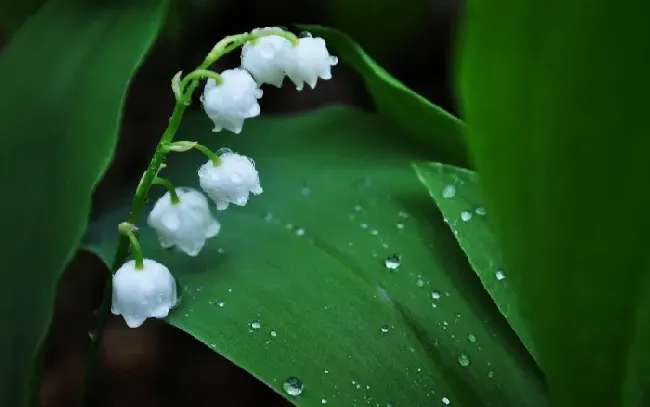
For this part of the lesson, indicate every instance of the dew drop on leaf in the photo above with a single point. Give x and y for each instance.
(293, 386)
(300, 231)
(465, 216)
(435, 294)
(323, 401)
(490, 374)
(471, 338)
(480, 211)
(446, 401)
(393, 262)
(256, 324)
(274, 334)
(463, 360)
(500, 275)
(384, 329)
(449, 191)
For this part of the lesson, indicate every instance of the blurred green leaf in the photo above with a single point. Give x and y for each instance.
(556, 97)
(14, 13)
(456, 192)
(307, 260)
(380, 27)
(63, 80)
(438, 131)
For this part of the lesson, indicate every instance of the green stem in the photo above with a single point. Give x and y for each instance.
(136, 249)
(170, 187)
(122, 250)
(209, 153)
(200, 74)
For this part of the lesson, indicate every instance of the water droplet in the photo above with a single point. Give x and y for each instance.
(466, 216)
(490, 374)
(434, 305)
(256, 324)
(463, 360)
(268, 217)
(446, 401)
(305, 191)
(326, 371)
(480, 211)
(323, 401)
(300, 232)
(435, 294)
(274, 334)
(384, 329)
(403, 215)
(449, 191)
(374, 232)
(400, 226)
(358, 208)
(364, 226)
(221, 304)
(393, 262)
(471, 338)
(304, 34)
(500, 275)
(223, 151)
(293, 386)
(419, 282)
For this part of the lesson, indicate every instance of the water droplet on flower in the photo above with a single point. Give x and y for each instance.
(435, 294)
(256, 324)
(466, 216)
(446, 401)
(293, 386)
(384, 329)
(500, 275)
(463, 360)
(300, 232)
(274, 334)
(223, 151)
(480, 211)
(393, 262)
(304, 34)
(471, 338)
(251, 161)
(449, 191)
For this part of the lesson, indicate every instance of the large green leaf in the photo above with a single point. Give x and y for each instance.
(63, 81)
(13, 14)
(456, 192)
(438, 131)
(556, 97)
(306, 259)
(380, 27)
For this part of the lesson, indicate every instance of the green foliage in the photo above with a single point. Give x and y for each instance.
(381, 27)
(557, 96)
(307, 260)
(63, 80)
(456, 193)
(436, 130)
(13, 14)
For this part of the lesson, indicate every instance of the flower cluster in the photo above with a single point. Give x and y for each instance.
(182, 218)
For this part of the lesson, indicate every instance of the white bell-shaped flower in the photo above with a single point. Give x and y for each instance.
(308, 61)
(264, 57)
(142, 294)
(231, 181)
(185, 224)
(234, 100)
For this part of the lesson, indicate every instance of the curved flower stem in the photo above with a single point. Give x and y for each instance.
(128, 230)
(170, 187)
(208, 153)
(122, 251)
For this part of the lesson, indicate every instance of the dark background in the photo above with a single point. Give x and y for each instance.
(158, 365)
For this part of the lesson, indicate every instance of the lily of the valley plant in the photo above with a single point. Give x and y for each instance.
(144, 288)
